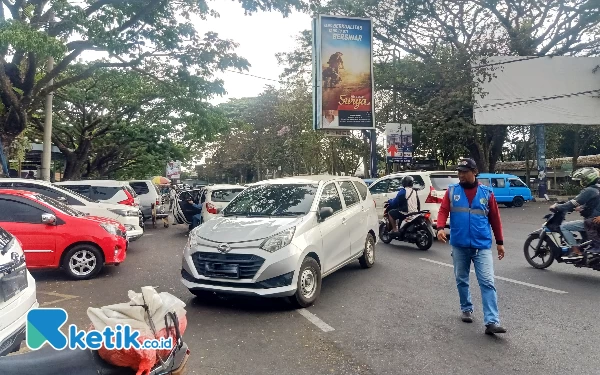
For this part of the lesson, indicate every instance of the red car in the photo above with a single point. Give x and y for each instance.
(55, 235)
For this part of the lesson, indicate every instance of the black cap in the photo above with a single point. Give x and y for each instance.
(466, 164)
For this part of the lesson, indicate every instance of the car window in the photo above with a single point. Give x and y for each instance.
(103, 193)
(225, 195)
(80, 189)
(362, 189)
(59, 206)
(18, 212)
(273, 200)
(140, 188)
(349, 193)
(395, 185)
(484, 181)
(516, 183)
(45, 190)
(380, 187)
(442, 182)
(419, 182)
(330, 198)
(498, 182)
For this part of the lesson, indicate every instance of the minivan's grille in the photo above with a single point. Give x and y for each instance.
(211, 264)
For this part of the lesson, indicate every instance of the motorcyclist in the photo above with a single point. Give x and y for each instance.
(406, 201)
(587, 203)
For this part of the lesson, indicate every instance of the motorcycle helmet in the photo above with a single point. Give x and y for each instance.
(586, 176)
(408, 181)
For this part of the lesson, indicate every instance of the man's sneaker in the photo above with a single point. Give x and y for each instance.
(573, 256)
(492, 329)
(467, 317)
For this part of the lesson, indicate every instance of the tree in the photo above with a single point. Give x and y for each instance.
(471, 29)
(156, 37)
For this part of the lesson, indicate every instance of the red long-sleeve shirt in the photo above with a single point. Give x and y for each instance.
(493, 216)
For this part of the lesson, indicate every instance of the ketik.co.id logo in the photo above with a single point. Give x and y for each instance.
(43, 325)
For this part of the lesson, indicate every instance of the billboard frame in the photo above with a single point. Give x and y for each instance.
(318, 74)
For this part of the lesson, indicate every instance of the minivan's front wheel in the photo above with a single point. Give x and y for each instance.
(368, 258)
(309, 283)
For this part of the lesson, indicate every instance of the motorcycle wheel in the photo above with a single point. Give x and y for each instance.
(424, 239)
(384, 235)
(545, 254)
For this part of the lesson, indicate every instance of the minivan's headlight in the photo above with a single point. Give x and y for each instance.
(278, 240)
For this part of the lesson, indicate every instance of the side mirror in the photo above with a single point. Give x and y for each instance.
(325, 212)
(48, 219)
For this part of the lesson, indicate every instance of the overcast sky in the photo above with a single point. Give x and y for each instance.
(260, 36)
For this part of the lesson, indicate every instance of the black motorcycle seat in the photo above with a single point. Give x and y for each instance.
(48, 361)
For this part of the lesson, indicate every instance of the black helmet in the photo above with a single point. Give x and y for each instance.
(408, 181)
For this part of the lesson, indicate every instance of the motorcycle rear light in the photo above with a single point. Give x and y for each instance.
(211, 209)
(431, 198)
(427, 216)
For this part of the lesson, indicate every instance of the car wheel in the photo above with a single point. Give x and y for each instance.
(367, 260)
(83, 262)
(309, 283)
(518, 202)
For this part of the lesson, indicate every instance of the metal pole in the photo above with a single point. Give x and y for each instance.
(540, 138)
(373, 153)
(47, 150)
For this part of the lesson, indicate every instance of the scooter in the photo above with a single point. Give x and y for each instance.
(547, 244)
(48, 361)
(418, 231)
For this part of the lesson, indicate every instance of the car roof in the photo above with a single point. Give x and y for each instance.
(307, 179)
(39, 182)
(220, 187)
(95, 183)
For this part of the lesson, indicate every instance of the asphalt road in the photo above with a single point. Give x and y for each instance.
(399, 317)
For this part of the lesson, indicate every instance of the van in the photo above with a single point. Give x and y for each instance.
(508, 189)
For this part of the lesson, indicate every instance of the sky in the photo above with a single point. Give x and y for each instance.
(260, 36)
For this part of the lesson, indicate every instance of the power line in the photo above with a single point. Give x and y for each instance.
(510, 61)
(255, 76)
(528, 101)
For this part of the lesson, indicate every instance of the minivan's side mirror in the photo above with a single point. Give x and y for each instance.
(48, 219)
(325, 212)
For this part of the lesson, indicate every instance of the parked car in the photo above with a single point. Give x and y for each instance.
(110, 191)
(18, 293)
(508, 189)
(149, 197)
(54, 235)
(279, 238)
(127, 216)
(216, 197)
(431, 185)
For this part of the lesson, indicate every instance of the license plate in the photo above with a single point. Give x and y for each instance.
(13, 283)
(223, 269)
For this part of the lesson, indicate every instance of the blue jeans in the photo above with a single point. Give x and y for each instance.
(571, 226)
(196, 220)
(484, 270)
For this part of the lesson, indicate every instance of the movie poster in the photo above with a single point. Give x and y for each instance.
(343, 53)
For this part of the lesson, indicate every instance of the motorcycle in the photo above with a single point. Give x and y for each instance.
(418, 231)
(551, 246)
(48, 361)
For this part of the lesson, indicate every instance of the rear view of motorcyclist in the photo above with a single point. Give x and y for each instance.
(587, 203)
(406, 202)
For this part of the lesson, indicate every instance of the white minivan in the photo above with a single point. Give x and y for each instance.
(279, 238)
(17, 293)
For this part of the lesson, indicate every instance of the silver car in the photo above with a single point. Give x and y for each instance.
(279, 238)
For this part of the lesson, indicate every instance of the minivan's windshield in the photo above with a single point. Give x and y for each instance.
(87, 199)
(442, 182)
(59, 206)
(273, 200)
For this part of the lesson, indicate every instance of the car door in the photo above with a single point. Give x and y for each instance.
(379, 192)
(519, 189)
(334, 231)
(356, 220)
(23, 218)
(501, 189)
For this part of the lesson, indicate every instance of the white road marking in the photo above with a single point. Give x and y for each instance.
(63, 297)
(315, 320)
(503, 278)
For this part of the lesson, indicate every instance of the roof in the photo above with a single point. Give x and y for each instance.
(582, 161)
(221, 187)
(39, 182)
(95, 182)
(306, 179)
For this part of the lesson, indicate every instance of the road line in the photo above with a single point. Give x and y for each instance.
(315, 320)
(503, 278)
(64, 297)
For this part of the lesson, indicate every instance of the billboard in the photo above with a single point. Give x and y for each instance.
(534, 90)
(343, 73)
(174, 170)
(399, 143)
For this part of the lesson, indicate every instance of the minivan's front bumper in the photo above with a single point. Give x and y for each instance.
(277, 276)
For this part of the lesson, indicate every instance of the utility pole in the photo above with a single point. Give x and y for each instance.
(540, 138)
(47, 150)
